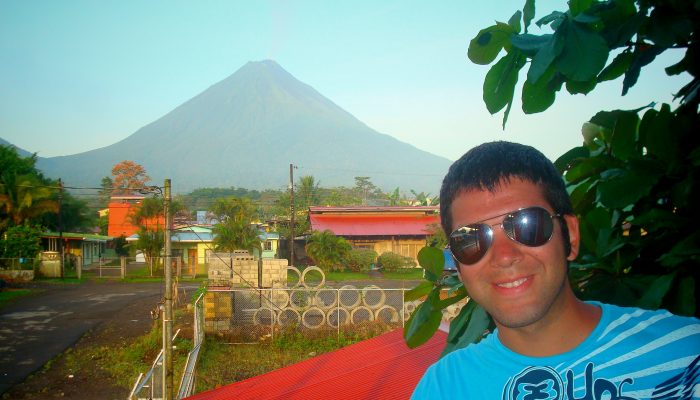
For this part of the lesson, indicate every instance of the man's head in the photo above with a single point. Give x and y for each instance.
(507, 200)
(486, 166)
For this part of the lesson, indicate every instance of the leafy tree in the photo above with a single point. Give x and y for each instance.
(20, 241)
(23, 198)
(105, 192)
(634, 182)
(394, 197)
(150, 243)
(424, 199)
(361, 260)
(327, 250)
(235, 229)
(128, 176)
(393, 262)
(307, 193)
(437, 237)
(365, 188)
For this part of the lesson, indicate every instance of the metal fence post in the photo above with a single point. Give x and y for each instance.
(122, 266)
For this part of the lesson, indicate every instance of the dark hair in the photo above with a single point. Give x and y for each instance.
(484, 167)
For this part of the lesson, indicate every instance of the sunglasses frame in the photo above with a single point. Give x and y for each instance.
(509, 214)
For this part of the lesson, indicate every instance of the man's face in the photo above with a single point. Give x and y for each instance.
(518, 285)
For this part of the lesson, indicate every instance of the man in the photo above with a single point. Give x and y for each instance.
(512, 231)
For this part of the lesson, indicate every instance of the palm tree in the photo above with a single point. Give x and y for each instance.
(327, 250)
(23, 198)
(235, 229)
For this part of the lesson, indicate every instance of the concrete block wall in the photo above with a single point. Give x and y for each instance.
(245, 270)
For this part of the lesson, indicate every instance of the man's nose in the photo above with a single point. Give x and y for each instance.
(505, 252)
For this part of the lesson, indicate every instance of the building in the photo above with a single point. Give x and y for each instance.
(396, 229)
(89, 248)
(121, 208)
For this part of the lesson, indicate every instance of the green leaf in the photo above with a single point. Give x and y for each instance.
(656, 137)
(545, 56)
(528, 13)
(514, 21)
(617, 67)
(432, 259)
(551, 17)
(584, 18)
(530, 44)
(540, 96)
(565, 161)
(686, 250)
(474, 321)
(654, 294)
(625, 188)
(684, 302)
(585, 53)
(574, 87)
(624, 136)
(419, 291)
(484, 48)
(643, 55)
(500, 81)
(578, 6)
(442, 304)
(423, 322)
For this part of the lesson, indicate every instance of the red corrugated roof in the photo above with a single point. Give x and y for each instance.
(379, 368)
(373, 225)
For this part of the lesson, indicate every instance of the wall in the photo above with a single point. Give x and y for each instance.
(274, 271)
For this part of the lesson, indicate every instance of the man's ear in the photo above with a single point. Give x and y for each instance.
(574, 236)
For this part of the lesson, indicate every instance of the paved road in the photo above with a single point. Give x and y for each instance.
(35, 329)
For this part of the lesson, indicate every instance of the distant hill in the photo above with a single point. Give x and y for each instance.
(245, 131)
(20, 151)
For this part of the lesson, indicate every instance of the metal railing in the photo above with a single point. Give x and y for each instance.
(187, 382)
(150, 385)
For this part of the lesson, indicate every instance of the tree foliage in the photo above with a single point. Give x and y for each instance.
(129, 176)
(235, 230)
(25, 194)
(633, 183)
(22, 241)
(327, 250)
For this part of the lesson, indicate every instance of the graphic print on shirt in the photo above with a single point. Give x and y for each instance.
(544, 383)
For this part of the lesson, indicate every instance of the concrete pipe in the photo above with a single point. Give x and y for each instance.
(313, 318)
(361, 314)
(310, 269)
(349, 297)
(373, 297)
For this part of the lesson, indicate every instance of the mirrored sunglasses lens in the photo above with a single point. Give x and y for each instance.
(531, 226)
(470, 243)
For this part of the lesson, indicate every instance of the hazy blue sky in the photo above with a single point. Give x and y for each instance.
(78, 75)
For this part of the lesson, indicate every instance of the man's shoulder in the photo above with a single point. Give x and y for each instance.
(643, 324)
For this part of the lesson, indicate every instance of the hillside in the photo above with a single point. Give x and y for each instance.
(245, 131)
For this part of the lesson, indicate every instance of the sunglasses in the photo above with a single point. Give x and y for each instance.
(530, 226)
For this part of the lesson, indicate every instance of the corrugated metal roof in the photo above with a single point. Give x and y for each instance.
(379, 368)
(374, 209)
(373, 225)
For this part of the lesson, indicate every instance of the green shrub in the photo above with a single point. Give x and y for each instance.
(360, 260)
(393, 262)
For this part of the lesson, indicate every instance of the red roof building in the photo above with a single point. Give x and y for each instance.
(379, 368)
(400, 230)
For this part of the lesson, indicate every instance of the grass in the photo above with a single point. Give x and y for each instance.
(222, 364)
(7, 296)
(124, 359)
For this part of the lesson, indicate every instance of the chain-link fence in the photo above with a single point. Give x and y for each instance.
(249, 315)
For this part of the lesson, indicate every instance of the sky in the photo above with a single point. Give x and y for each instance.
(79, 75)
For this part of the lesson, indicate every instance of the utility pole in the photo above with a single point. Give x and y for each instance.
(60, 228)
(168, 306)
(291, 218)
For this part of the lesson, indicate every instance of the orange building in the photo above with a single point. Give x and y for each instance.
(121, 208)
